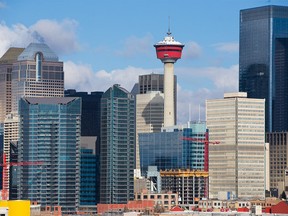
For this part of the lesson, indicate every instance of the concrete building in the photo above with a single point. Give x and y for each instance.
(189, 184)
(165, 199)
(11, 135)
(37, 73)
(6, 62)
(117, 146)
(263, 53)
(278, 162)
(237, 164)
(50, 135)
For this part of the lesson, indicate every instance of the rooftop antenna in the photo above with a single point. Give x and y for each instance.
(189, 111)
(199, 114)
(168, 33)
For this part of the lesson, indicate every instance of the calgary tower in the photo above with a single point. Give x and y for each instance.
(169, 51)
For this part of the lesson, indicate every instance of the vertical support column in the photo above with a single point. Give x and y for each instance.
(169, 116)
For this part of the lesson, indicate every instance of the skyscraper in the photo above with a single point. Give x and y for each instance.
(90, 145)
(117, 146)
(6, 62)
(263, 67)
(50, 133)
(37, 73)
(237, 163)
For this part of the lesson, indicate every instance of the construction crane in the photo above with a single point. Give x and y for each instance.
(206, 153)
(206, 147)
(5, 178)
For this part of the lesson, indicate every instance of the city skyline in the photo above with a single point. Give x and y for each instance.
(116, 46)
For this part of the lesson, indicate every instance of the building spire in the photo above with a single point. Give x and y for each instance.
(169, 32)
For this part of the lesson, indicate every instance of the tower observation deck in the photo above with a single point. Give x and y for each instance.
(169, 51)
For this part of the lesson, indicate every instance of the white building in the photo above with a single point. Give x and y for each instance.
(237, 164)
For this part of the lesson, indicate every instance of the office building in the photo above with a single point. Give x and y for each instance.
(172, 149)
(237, 163)
(278, 162)
(90, 145)
(150, 107)
(6, 62)
(37, 73)
(50, 135)
(117, 146)
(263, 61)
(11, 136)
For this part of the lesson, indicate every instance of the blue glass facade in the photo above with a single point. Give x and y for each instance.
(87, 177)
(168, 150)
(50, 132)
(117, 146)
(263, 67)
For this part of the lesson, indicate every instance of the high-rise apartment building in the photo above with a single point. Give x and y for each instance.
(6, 62)
(37, 73)
(117, 146)
(237, 164)
(50, 133)
(263, 61)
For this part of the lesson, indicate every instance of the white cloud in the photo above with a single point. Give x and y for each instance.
(223, 80)
(134, 46)
(192, 50)
(60, 36)
(83, 78)
(227, 47)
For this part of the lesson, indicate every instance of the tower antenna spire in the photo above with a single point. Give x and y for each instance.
(169, 32)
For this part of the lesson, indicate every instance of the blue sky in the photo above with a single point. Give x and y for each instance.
(107, 42)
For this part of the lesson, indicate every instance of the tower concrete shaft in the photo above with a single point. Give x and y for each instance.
(169, 115)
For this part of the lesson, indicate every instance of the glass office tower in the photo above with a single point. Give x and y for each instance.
(117, 146)
(172, 149)
(50, 133)
(263, 65)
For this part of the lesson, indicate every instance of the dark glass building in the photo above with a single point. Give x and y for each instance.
(117, 146)
(90, 145)
(263, 65)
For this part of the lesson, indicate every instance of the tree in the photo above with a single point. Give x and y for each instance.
(283, 196)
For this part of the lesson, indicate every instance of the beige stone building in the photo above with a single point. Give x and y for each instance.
(237, 164)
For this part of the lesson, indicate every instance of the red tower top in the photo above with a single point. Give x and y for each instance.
(169, 50)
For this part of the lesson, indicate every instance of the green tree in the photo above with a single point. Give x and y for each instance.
(283, 196)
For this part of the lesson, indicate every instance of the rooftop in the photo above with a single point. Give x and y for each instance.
(33, 48)
(11, 55)
(49, 100)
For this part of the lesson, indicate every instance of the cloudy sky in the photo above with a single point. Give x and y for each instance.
(106, 42)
